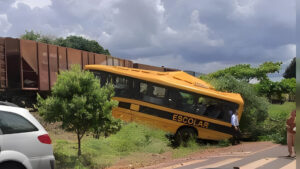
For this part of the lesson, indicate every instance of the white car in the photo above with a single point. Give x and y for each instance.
(24, 143)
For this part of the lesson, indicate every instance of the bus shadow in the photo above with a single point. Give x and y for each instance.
(200, 142)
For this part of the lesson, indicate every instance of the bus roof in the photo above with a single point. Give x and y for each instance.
(176, 79)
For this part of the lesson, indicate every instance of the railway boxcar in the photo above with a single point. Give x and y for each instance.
(27, 67)
(30, 65)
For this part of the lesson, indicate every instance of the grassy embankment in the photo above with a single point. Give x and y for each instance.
(134, 144)
(273, 128)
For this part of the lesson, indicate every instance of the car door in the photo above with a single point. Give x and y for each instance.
(18, 134)
(1, 139)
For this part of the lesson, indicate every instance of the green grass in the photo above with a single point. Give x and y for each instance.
(132, 141)
(273, 128)
(286, 108)
(103, 152)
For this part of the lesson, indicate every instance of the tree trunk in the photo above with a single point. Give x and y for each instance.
(79, 144)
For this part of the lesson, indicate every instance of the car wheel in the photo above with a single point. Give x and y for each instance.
(11, 165)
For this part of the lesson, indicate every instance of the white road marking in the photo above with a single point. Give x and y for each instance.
(220, 163)
(291, 165)
(185, 164)
(257, 163)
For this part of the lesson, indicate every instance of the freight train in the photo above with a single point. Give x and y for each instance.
(28, 67)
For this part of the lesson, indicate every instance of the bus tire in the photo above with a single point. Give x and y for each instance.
(184, 135)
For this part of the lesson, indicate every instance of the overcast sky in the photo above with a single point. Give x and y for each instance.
(198, 35)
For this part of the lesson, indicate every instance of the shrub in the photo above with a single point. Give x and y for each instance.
(255, 107)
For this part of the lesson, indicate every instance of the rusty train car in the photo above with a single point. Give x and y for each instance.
(28, 67)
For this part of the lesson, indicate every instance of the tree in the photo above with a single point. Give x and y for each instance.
(269, 88)
(30, 35)
(76, 42)
(290, 71)
(78, 101)
(81, 43)
(246, 72)
(255, 107)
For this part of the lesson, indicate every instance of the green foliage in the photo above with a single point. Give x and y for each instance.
(290, 71)
(81, 43)
(269, 88)
(76, 42)
(31, 35)
(246, 72)
(255, 108)
(104, 152)
(273, 128)
(78, 101)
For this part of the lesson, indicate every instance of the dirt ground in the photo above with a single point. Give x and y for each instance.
(154, 161)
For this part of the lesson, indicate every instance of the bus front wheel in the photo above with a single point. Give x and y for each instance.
(184, 135)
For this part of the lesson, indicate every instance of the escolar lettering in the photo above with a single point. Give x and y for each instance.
(190, 121)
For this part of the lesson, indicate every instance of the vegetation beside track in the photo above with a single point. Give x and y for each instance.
(132, 141)
(273, 128)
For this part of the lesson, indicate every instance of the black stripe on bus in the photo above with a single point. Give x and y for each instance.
(180, 118)
(124, 105)
(185, 120)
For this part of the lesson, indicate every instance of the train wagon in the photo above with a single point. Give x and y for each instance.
(28, 67)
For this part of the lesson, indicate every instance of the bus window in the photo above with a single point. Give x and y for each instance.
(143, 88)
(121, 85)
(102, 76)
(159, 92)
(187, 101)
(214, 108)
(174, 99)
(152, 93)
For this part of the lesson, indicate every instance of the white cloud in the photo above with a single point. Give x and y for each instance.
(4, 24)
(199, 35)
(33, 3)
(179, 62)
(243, 9)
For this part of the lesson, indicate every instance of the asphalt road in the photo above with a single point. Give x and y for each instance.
(269, 158)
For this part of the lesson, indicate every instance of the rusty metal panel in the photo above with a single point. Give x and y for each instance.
(166, 69)
(110, 61)
(85, 59)
(116, 62)
(148, 67)
(29, 64)
(53, 67)
(122, 62)
(28, 53)
(13, 60)
(126, 63)
(91, 58)
(100, 59)
(74, 57)
(3, 70)
(129, 63)
(62, 58)
(43, 67)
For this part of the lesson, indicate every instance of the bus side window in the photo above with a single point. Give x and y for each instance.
(121, 86)
(187, 101)
(103, 78)
(199, 107)
(175, 99)
(213, 108)
(143, 88)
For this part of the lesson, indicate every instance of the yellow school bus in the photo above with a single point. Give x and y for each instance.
(173, 101)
